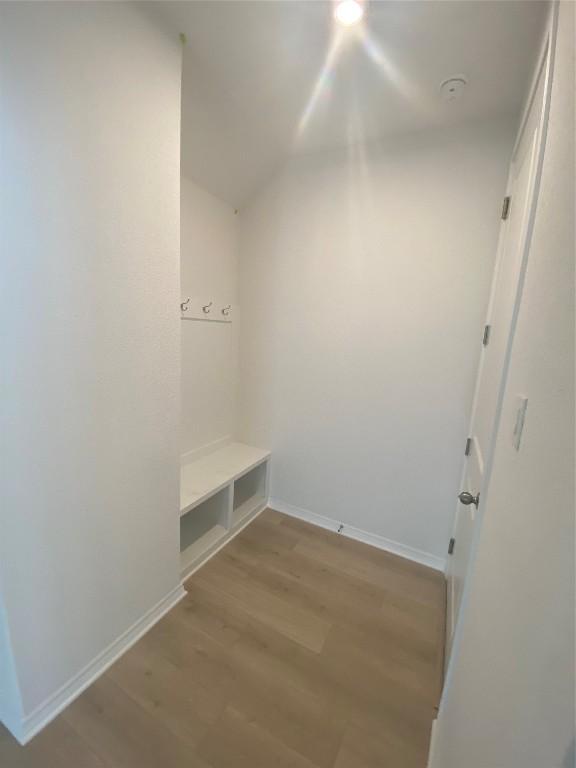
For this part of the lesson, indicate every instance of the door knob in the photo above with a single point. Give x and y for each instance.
(467, 498)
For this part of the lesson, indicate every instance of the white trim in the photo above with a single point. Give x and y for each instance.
(373, 539)
(542, 62)
(433, 736)
(545, 68)
(10, 699)
(43, 714)
(204, 450)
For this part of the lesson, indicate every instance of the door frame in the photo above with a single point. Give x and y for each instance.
(545, 65)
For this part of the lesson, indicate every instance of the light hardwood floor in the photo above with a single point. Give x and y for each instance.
(295, 648)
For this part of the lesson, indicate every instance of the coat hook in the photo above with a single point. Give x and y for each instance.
(226, 310)
(206, 308)
(184, 306)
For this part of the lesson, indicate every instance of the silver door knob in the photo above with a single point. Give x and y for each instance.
(467, 498)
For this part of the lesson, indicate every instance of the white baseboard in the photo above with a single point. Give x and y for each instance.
(403, 550)
(46, 712)
(432, 748)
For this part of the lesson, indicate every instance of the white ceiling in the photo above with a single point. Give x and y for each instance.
(251, 68)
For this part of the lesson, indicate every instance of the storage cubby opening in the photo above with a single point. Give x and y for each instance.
(203, 527)
(249, 493)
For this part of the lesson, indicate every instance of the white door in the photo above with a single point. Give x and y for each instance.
(506, 290)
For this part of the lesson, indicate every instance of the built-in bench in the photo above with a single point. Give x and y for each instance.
(220, 493)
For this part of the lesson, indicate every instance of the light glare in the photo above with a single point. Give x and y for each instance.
(349, 12)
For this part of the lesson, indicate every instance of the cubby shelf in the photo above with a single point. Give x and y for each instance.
(220, 492)
(247, 508)
(201, 548)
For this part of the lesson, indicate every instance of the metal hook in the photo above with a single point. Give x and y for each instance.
(206, 308)
(184, 306)
(226, 310)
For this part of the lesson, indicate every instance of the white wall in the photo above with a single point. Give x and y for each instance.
(89, 223)
(209, 350)
(364, 281)
(363, 284)
(510, 699)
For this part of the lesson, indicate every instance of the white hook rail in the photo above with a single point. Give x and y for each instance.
(206, 310)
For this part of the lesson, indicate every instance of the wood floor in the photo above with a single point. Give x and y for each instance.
(295, 648)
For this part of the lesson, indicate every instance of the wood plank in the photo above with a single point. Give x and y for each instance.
(207, 663)
(237, 742)
(294, 647)
(383, 573)
(124, 734)
(298, 718)
(347, 697)
(265, 604)
(57, 746)
(300, 721)
(365, 750)
(381, 557)
(311, 586)
(172, 694)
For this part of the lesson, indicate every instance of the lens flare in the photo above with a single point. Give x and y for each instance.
(348, 12)
(321, 84)
(326, 83)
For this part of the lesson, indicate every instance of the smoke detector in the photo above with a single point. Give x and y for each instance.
(453, 88)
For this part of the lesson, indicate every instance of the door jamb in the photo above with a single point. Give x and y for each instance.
(546, 65)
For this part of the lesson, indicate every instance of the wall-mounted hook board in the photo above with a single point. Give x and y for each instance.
(207, 308)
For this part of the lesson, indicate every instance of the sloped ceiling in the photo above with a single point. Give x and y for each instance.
(266, 79)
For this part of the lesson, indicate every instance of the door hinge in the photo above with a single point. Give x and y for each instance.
(486, 336)
(451, 546)
(468, 447)
(506, 207)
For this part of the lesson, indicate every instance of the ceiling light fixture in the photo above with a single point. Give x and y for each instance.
(348, 12)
